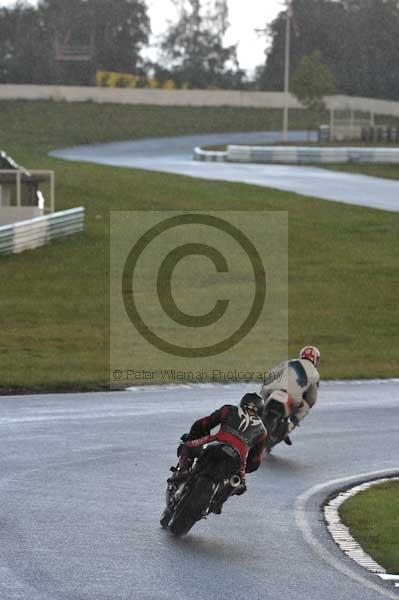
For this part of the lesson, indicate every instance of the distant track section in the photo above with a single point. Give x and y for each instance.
(174, 155)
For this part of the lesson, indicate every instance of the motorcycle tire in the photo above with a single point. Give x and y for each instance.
(182, 523)
(193, 507)
(166, 517)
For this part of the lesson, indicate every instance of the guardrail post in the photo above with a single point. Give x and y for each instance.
(52, 192)
(19, 188)
(351, 121)
(332, 133)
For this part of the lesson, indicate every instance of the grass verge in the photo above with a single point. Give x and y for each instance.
(385, 171)
(46, 125)
(373, 519)
(343, 284)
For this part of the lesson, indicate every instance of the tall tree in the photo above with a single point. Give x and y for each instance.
(22, 45)
(372, 47)
(311, 82)
(193, 48)
(111, 32)
(357, 38)
(315, 24)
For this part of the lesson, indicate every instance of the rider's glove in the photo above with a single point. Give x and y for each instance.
(185, 437)
(292, 423)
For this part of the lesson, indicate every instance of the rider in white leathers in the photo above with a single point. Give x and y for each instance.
(298, 377)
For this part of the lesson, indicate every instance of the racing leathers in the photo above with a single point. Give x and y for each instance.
(238, 428)
(300, 379)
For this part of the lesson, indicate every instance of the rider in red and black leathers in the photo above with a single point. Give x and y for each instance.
(240, 426)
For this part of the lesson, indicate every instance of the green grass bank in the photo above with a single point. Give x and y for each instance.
(373, 519)
(343, 283)
(46, 125)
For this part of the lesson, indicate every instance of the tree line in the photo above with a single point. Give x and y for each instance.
(58, 42)
(357, 39)
(68, 42)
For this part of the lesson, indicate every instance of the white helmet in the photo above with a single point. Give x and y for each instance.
(310, 353)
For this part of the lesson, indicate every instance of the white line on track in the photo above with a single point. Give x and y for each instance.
(341, 534)
(304, 524)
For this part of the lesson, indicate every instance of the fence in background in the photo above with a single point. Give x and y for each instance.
(146, 96)
(380, 134)
(188, 98)
(372, 106)
(27, 235)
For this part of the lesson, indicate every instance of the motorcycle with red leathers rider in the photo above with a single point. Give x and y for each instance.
(212, 468)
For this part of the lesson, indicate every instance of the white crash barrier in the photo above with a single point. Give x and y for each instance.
(311, 155)
(300, 155)
(209, 155)
(27, 235)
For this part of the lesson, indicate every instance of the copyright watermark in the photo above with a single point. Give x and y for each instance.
(164, 285)
(172, 375)
(190, 291)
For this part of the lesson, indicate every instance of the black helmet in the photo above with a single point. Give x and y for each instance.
(253, 402)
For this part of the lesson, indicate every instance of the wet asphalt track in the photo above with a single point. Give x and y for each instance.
(82, 476)
(82, 488)
(174, 155)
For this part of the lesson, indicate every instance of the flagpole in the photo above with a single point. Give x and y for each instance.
(287, 70)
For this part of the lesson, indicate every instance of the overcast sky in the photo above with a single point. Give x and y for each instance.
(245, 17)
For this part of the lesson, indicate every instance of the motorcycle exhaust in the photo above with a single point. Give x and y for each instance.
(235, 481)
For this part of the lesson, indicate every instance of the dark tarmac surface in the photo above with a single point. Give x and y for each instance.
(82, 488)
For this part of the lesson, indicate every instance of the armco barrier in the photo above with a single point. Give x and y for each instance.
(306, 155)
(209, 155)
(27, 235)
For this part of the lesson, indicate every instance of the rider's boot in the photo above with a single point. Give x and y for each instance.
(181, 472)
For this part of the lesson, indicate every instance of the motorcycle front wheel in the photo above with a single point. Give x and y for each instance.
(166, 517)
(193, 506)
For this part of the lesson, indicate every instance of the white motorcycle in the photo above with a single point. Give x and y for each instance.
(278, 416)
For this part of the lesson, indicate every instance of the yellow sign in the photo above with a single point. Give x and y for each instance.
(127, 80)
